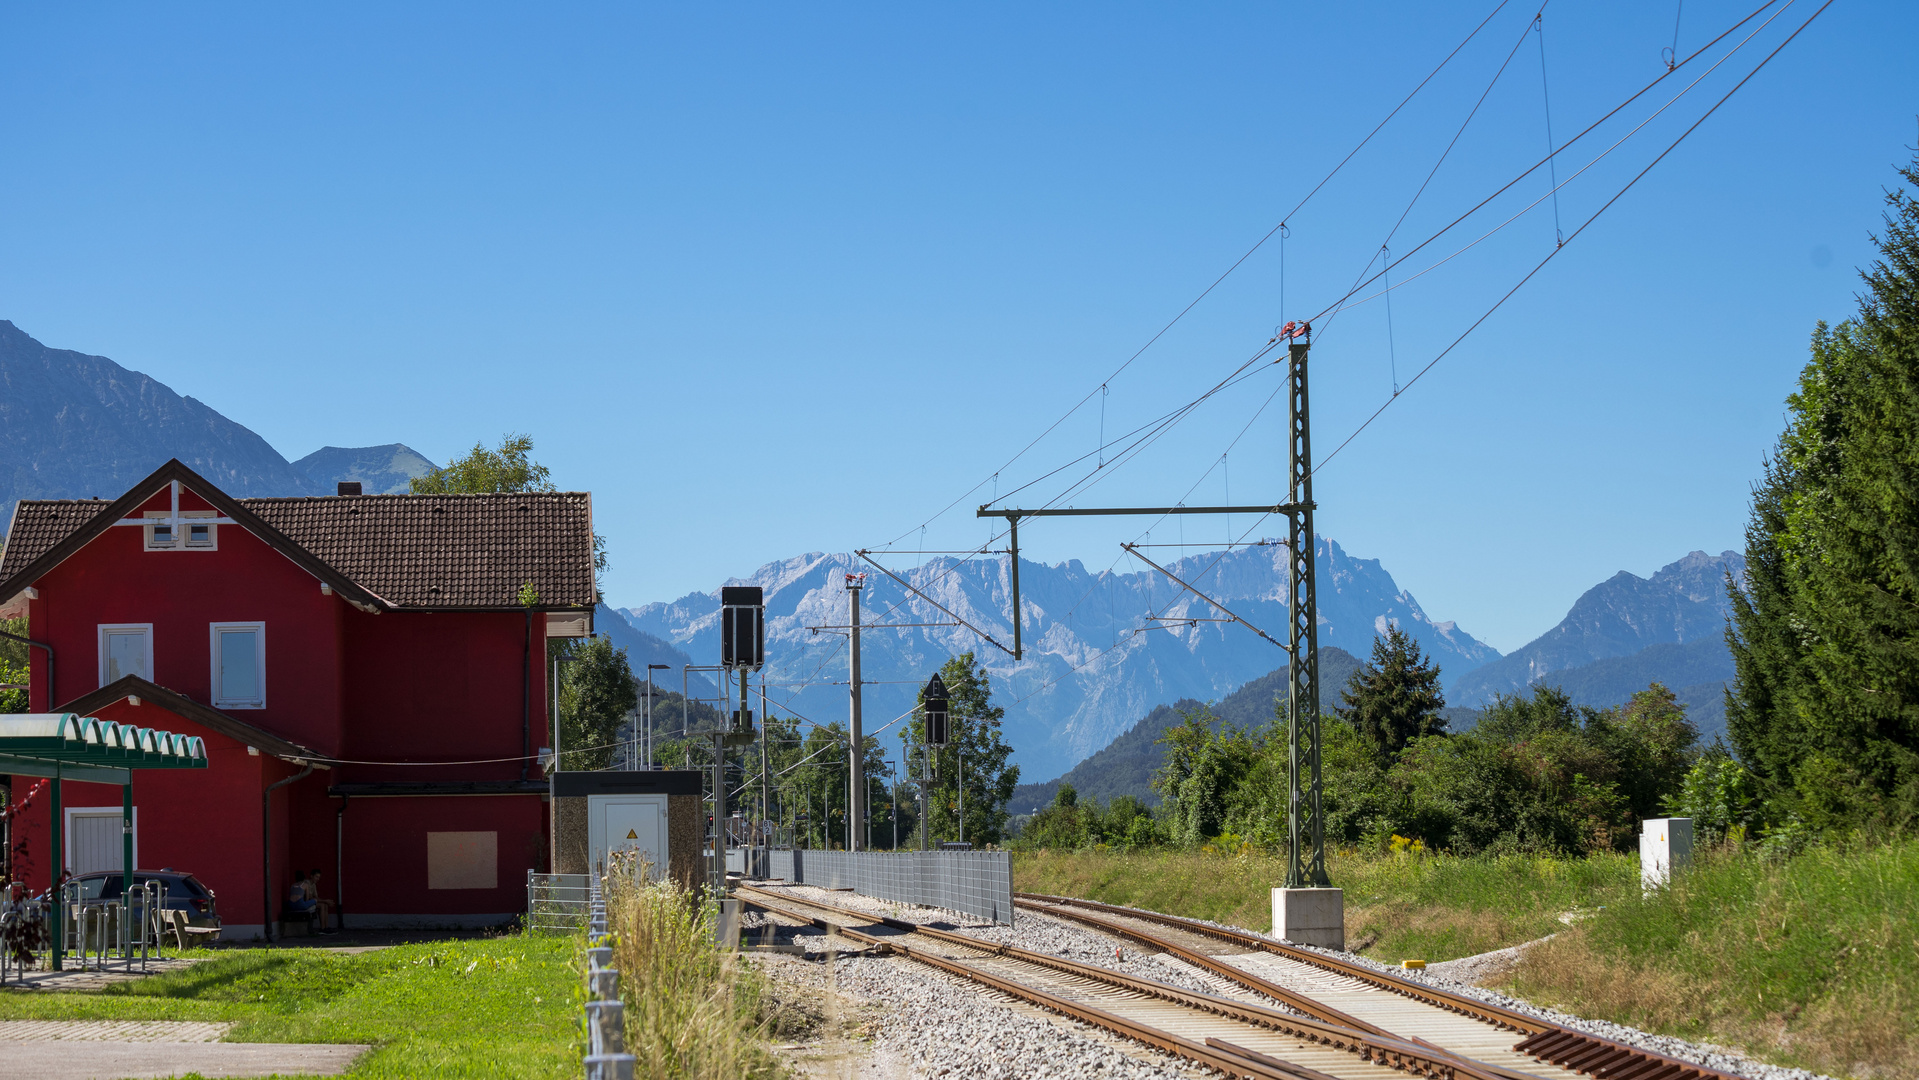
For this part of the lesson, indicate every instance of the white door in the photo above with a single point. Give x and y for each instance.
(93, 840)
(636, 823)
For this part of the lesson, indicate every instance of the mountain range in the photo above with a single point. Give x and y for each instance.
(1623, 634)
(1093, 679)
(1090, 669)
(75, 426)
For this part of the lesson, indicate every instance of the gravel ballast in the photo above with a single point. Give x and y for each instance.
(943, 1026)
(934, 1024)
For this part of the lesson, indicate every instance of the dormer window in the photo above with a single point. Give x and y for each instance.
(190, 530)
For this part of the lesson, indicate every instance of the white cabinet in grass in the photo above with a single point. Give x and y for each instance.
(239, 665)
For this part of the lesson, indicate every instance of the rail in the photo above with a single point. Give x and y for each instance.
(1545, 1040)
(1367, 1043)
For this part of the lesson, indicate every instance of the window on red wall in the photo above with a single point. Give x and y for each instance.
(239, 665)
(125, 649)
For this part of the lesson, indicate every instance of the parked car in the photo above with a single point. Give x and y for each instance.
(182, 892)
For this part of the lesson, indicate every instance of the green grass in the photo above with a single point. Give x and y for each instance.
(1808, 962)
(1398, 906)
(501, 1007)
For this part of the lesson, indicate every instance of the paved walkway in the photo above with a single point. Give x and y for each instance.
(74, 980)
(122, 1049)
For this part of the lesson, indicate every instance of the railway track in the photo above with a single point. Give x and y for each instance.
(1382, 1002)
(1236, 1036)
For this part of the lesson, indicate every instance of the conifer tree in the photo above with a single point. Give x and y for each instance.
(1394, 697)
(1826, 639)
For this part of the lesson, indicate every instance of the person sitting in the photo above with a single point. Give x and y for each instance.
(322, 906)
(299, 904)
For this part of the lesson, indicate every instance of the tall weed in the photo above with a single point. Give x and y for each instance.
(693, 1012)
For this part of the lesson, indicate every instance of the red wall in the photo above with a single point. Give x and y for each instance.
(397, 686)
(112, 580)
(203, 821)
(443, 686)
(386, 865)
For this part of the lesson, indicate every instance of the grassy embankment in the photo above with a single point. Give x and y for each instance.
(1397, 906)
(1807, 962)
(1811, 961)
(502, 1007)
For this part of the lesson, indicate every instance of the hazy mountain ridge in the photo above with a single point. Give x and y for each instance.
(1087, 676)
(1624, 615)
(74, 426)
(380, 470)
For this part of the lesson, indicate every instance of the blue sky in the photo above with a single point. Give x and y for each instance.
(772, 279)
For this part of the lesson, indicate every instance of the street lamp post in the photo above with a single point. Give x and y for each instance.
(647, 761)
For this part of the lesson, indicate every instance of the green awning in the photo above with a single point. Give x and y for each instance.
(77, 747)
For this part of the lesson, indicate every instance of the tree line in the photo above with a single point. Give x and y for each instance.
(1535, 774)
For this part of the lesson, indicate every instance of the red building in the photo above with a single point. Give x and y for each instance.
(367, 672)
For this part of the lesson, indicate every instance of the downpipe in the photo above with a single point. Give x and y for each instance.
(266, 844)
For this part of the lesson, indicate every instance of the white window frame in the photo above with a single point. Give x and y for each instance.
(116, 812)
(156, 518)
(145, 628)
(190, 518)
(182, 523)
(259, 659)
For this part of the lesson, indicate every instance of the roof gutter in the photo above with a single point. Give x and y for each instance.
(49, 651)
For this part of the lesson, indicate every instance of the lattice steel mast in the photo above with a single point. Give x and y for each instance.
(1306, 824)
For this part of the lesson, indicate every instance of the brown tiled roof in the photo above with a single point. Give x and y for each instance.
(391, 551)
(449, 551)
(39, 524)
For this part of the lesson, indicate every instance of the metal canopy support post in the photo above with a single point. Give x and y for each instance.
(59, 863)
(126, 865)
(1306, 826)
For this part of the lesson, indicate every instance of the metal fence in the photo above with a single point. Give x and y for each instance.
(606, 1056)
(978, 883)
(558, 903)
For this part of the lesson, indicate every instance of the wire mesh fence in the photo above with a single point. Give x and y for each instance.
(977, 883)
(558, 903)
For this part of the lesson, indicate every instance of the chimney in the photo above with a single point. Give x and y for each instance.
(349, 487)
